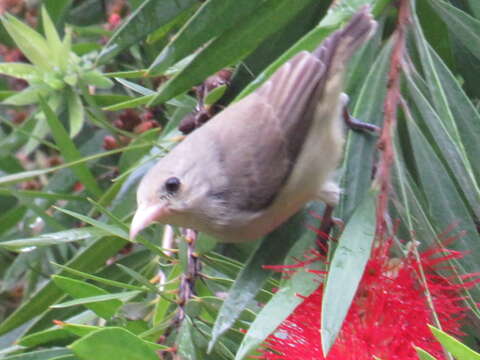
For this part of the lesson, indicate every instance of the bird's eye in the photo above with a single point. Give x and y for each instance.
(172, 184)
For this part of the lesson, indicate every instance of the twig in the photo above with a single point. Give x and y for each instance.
(385, 143)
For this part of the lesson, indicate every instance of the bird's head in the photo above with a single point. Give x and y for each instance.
(176, 190)
(168, 191)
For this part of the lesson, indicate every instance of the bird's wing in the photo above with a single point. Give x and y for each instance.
(259, 137)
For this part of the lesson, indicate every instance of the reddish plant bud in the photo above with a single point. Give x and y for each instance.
(118, 123)
(31, 185)
(78, 187)
(54, 160)
(220, 78)
(130, 119)
(109, 142)
(145, 126)
(148, 115)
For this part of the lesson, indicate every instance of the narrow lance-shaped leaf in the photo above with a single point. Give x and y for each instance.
(210, 21)
(451, 152)
(112, 343)
(30, 42)
(445, 206)
(336, 15)
(361, 146)
(76, 114)
(18, 70)
(346, 270)
(69, 150)
(149, 16)
(55, 238)
(80, 289)
(53, 40)
(455, 347)
(462, 26)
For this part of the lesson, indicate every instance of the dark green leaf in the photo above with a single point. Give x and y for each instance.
(113, 343)
(210, 21)
(80, 289)
(69, 150)
(148, 17)
(346, 269)
(455, 347)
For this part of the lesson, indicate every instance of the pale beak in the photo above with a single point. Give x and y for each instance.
(146, 215)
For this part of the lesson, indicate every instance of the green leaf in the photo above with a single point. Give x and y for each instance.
(19, 70)
(76, 116)
(143, 100)
(467, 117)
(127, 74)
(111, 229)
(270, 251)
(462, 26)
(185, 342)
(232, 46)
(45, 337)
(79, 329)
(99, 279)
(27, 96)
(31, 43)
(90, 301)
(69, 150)
(346, 269)
(113, 343)
(455, 347)
(39, 355)
(308, 42)
(448, 148)
(224, 14)
(55, 46)
(422, 354)
(135, 87)
(444, 205)
(148, 17)
(360, 147)
(215, 95)
(96, 78)
(80, 289)
(50, 239)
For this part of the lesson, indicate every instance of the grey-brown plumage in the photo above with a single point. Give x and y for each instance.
(260, 160)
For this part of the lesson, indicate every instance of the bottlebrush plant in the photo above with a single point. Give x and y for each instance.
(94, 92)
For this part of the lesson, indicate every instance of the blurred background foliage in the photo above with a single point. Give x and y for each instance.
(92, 92)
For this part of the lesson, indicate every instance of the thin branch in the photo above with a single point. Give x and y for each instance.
(385, 143)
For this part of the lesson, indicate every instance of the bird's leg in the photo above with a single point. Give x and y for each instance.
(324, 230)
(328, 221)
(358, 125)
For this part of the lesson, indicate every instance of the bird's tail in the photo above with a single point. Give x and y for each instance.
(339, 47)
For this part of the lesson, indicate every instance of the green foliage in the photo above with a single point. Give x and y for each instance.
(70, 166)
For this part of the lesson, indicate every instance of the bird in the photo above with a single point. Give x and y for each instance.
(261, 159)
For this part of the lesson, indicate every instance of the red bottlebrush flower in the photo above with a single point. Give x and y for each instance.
(389, 314)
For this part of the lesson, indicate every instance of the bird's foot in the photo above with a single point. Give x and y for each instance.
(358, 125)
